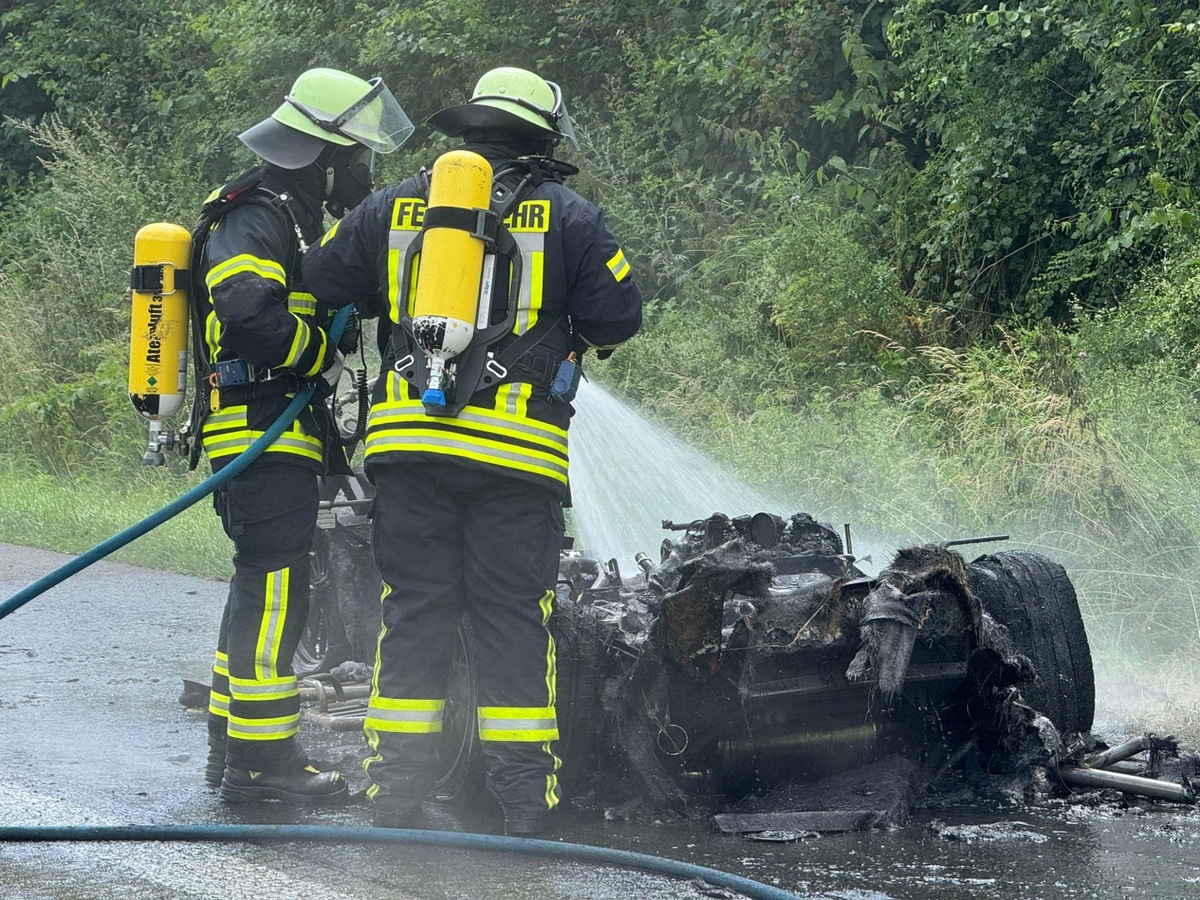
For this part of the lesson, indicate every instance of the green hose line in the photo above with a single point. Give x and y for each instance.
(328, 834)
(362, 835)
(200, 491)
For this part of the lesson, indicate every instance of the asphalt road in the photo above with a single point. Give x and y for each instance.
(91, 732)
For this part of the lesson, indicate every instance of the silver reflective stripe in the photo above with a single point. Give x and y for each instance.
(249, 729)
(243, 689)
(405, 715)
(233, 415)
(529, 243)
(494, 724)
(302, 304)
(382, 443)
(399, 240)
(415, 412)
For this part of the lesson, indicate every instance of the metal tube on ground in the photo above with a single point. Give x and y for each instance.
(310, 690)
(337, 723)
(1129, 784)
(1115, 754)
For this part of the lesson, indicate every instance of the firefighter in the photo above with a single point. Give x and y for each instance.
(471, 486)
(259, 340)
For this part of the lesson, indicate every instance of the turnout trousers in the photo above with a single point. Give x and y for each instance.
(269, 511)
(450, 540)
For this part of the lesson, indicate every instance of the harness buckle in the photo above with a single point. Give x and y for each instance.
(486, 227)
(151, 278)
(401, 364)
(232, 372)
(495, 368)
(235, 372)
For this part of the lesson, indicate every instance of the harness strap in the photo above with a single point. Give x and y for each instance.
(479, 223)
(246, 188)
(479, 368)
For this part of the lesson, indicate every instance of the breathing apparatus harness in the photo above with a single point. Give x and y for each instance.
(238, 373)
(488, 362)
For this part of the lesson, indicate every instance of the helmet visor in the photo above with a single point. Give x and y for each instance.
(376, 120)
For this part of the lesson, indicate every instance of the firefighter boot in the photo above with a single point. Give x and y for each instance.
(302, 784)
(526, 824)
(397, 816)
(215, 768)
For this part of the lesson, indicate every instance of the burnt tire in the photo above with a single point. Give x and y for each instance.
(358, 587)
(323, 644)
(1031, 596)
(460, 765)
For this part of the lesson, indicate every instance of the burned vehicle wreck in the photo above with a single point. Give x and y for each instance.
(754, 655)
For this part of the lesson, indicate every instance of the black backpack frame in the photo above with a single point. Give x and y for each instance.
(480, 366)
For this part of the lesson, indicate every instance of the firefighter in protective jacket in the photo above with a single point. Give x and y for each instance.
(259, 339)
(470, 490)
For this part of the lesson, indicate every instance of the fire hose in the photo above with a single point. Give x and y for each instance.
(552, 849)
(409, 837)
(174, 508)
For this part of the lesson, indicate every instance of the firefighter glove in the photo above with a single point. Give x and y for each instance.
(331, 376)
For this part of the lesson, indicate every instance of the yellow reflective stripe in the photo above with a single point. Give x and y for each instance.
(471, 425)
(264, 689)
(517, 723)
(399, 240)
(551, 796)
(234, 446)
(328, 236)
(244, 262)
(315, 368)
(218, 704)
(547, 606)
(229, 416)
(531, 290)
(479, 449)
(405, 703)
(299, 341)
(263, 729)
(225, 434)
(212, 335)
(496, 421)
(270, 631)
(405, 716)
(537, 263)
(393, 286)
(513, 398)
(221, 663)
(387, 589)
(302, 304)
(619, 266)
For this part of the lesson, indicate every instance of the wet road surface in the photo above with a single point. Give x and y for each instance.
(91, 732)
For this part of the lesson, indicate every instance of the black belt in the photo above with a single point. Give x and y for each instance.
(236, 372)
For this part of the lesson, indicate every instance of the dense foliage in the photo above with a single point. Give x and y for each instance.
(932, 263)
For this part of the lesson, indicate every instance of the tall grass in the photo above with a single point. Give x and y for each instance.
(775, 341)
(73, 515)
(65, 253)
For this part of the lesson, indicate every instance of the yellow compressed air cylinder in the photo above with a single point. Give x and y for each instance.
(446, 302)
(159, 321)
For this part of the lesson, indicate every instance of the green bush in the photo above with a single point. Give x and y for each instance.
(64, 306)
